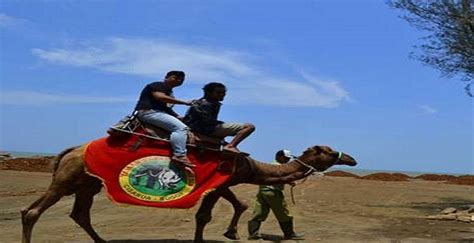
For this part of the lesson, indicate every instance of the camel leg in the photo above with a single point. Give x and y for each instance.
(239, 208)
(34, 204)
(203, 215)
(81, 211)
(30, 215)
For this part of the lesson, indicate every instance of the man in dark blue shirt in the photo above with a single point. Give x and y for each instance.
(202, 118)
(154, 107)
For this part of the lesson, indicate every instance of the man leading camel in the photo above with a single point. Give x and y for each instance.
(271, 197)
(153, 108)
(202, 117)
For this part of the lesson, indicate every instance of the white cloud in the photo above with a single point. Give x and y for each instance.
(8, 21)
(426, 109)
(290, 93)
(38, 98)
(153, 58)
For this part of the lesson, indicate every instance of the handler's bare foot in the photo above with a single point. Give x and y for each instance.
(182, 160)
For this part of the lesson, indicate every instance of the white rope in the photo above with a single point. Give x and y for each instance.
(311, 169)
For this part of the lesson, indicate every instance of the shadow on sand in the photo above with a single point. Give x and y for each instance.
(161, 241)
(265, 237)
(277, 238)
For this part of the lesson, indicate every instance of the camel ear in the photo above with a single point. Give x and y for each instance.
(308, 150)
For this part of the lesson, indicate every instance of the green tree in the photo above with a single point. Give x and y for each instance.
(449, 46)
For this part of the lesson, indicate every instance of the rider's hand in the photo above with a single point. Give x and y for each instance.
(192, 102)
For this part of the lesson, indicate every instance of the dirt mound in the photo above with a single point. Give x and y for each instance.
(35, 164)
(435, 177)
(401, 175)
(386, 177)
(341, 174)
(462, 180)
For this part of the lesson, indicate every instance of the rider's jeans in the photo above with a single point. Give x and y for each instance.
(170, 123)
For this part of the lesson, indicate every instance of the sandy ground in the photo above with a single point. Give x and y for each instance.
(328, 209)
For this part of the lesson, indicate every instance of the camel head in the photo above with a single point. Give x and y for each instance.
(323, 157)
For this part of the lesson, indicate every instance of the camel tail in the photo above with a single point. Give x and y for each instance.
(60, 156)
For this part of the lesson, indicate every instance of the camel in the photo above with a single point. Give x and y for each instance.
(70, 177)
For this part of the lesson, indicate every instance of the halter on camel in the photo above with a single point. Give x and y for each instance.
(311, 171)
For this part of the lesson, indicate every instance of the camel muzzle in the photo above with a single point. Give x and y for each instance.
(346, 160)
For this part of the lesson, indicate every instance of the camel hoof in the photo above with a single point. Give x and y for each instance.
(232, 234)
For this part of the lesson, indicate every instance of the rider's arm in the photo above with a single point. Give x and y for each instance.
(168, 99)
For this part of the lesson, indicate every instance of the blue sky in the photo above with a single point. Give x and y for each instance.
(334, 73)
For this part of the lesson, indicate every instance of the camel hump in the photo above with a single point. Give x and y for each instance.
(132, 125)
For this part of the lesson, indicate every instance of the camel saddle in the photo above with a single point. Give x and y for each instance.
(145, 175)
(132, 125)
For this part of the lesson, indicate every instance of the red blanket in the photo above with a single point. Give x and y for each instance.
(146, 177)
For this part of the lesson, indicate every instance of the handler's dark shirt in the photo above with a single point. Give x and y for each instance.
(201, 117)
(147, 101)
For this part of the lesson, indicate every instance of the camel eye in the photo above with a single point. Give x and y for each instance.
(334, 154)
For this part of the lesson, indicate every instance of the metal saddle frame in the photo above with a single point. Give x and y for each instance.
(130, 124)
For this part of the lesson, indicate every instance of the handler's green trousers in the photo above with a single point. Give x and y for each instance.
(271, 199)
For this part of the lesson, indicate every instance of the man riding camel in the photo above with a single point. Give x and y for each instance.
(202, 118)
(154, 108)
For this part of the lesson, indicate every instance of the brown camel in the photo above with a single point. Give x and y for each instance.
(69, 178)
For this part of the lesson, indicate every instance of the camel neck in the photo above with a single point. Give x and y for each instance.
(270, 174)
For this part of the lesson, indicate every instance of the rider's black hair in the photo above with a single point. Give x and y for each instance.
(179, 74)
(208, 88)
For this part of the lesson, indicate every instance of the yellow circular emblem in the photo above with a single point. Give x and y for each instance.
(155, 179)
